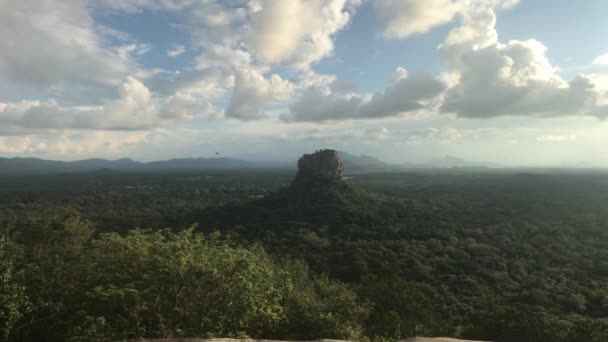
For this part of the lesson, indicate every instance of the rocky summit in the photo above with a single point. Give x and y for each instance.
(323, 165)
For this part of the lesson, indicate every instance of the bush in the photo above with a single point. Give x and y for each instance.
(163, 284)
(13, 301)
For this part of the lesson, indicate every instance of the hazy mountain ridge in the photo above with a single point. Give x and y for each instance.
(351, 162)
(365, 162)
(362, 162)
(41, 166)
(452, 162)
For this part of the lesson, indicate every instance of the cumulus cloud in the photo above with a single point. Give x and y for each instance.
(256, 36)
(406, 17)
(297, 32)
(108, 32)
(73, 145)
(136, 6)
(252, 91)
(176, 51)
(224, 57)
(406, 93)
(403, 18)
(136, 108)
(210, 83)
(69, 77)
(601, 59)
(555, 138)
(48, 43)
(343, 86)
(513, 78)
(265, 33)
(126, 52)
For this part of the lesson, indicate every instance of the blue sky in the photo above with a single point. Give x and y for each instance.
(512, 82)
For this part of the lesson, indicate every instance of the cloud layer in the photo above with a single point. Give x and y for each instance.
(404, 18)
(67, 71)
(601, 59)
(51, 46)
(513, 78)
(406, 93)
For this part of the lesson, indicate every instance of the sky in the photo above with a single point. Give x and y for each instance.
(505, 81)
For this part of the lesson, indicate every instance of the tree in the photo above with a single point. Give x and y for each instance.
(13, 301)
(589, 330)
(318, 307)
(158, 283)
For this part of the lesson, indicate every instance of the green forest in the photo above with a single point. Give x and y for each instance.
(490, 255)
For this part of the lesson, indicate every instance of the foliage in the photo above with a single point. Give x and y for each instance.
(159, 284)
(13, 302)
(164, 284)
(503, 256)
(322, 308)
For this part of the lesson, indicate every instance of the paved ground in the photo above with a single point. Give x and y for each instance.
(221, 340)
(436, 339)
(415, 339)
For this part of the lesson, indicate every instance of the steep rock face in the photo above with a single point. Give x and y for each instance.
(324, 165)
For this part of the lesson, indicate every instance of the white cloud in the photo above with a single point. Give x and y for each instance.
(188, 105)
(49, 44)
(297, 32)
(514, 78)
(72, 145)
(136, 6)
(55, 53)
(403, 18)
(136, 108)
(252, 91)
(555, 138)
(223, 57)
(109, 32)
(406, 93)
(126, 52)
(14, 144)
(256, 36)
(343, 86)
(210, 83)
(601, 59)
(293, 33)
(176, 51)
(84, 92)
(406, 17)
(308, 78)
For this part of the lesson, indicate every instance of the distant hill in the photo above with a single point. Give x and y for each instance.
(351, 162)
(42, 166)
(362, 162)
(448, 162)
(369, 163)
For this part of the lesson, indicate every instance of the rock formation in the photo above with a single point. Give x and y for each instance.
(323, 165)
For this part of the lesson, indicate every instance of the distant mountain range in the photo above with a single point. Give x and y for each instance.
(41, 166)
(351, 163)
(448, 162)
(363, 162)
